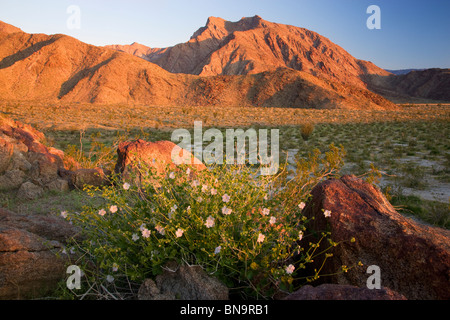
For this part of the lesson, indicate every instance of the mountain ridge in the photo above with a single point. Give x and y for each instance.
(253, 45)
(39, 67)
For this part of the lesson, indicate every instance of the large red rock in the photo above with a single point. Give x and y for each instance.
(32, 262)
(144, 155)
(414, 258)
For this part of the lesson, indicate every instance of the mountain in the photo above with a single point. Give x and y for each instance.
(253, 45)
(429, 84)
(39, 67)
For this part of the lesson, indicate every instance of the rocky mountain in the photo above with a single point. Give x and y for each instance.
(253, 45)
(61, 68)
(429, 84)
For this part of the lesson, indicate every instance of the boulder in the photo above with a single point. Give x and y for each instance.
(44, 168)
(11, 180)
(29, 191)
(414, 258)
(96, 177)
(142, 155)
(31, 263)
(29, 266)
(343, 292)
(58, 185)
(184, 283)
(45, 226)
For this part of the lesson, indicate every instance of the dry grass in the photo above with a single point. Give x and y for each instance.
(122, 117)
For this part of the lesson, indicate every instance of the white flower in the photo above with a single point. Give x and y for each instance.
(217, 250)
(115, 267)
(261, 238)
(179, 233)
(226, 211)
(142, 227)
(126, 186)
(72, 250)
(113, 209)
(195, 183)
(290, 269)
(175, 207)
(272, 220)
(172, 175)
(135, 237)
(188, 208)
(64, 251)
(64, 214)
(102, 212)
(209, 222)
(265, 212)
(225, 198)
(146, 233)
(302, 205)
(110, 278)
(300, 235)
(161, 230)
(188, 171)
(213, 191)
(199, 199)
(204, 188)
(327, 213)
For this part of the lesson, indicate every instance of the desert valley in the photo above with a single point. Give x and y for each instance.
(364, 159)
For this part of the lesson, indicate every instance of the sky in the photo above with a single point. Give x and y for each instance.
(413, 34)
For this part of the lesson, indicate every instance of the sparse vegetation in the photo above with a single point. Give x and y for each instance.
(410, 146)
(242, 228)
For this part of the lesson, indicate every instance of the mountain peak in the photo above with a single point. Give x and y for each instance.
(214, 21)
(219, 28)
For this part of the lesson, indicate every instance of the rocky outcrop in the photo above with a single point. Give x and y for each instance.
(343, 292)
(26, 164)
(31, 258)
(137, 157)
(183, 283)
(414, 259)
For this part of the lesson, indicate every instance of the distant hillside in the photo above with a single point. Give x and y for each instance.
(428, 84)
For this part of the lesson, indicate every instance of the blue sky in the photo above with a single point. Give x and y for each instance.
(413, 34)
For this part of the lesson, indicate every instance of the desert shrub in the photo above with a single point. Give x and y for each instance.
(241, 227)
(306, 131)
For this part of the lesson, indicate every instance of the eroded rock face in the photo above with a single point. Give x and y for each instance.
(140, 155)
(343, 292)
(31, 258)
(414, 259)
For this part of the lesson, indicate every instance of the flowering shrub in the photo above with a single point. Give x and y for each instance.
(236, 225)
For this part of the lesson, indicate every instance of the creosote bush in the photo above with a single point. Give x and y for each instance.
(241, 228)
